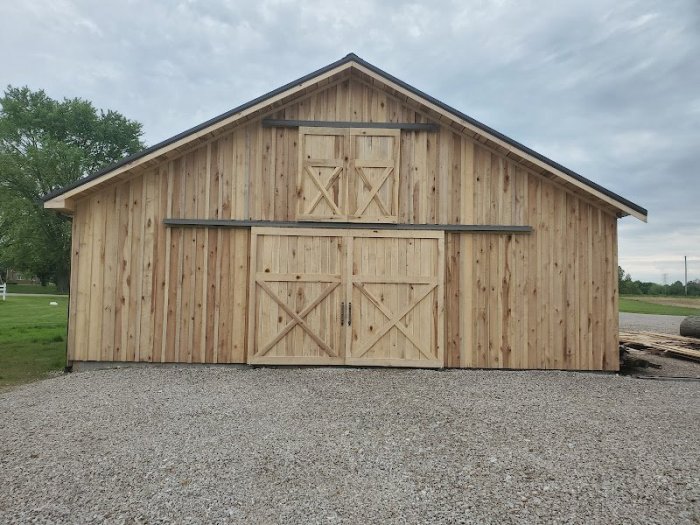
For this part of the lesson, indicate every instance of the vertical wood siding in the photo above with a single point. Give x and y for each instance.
(143, 292)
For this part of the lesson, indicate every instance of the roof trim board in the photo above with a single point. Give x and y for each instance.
(60, 198)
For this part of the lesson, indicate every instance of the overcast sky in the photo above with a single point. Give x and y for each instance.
(608, 89)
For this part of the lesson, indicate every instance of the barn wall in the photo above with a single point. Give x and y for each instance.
(544, 300)
(143, 292)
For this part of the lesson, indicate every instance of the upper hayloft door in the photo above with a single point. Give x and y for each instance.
(348, 174)
(373, 180)
(321, 185)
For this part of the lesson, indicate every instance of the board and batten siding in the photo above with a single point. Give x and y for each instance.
(145, 292)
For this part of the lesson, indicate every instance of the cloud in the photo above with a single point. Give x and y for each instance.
(608, 89)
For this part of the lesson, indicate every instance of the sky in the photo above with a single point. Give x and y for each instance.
(609, 89)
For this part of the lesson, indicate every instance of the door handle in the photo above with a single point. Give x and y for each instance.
(349, 313)
(342, 314)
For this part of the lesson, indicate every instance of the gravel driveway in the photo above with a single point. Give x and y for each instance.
(341, 445)
(665, 324)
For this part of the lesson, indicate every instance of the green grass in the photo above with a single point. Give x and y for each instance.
(640, 306)
(32, 338)
(32, 288)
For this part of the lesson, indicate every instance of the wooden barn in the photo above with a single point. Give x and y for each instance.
(345, 218)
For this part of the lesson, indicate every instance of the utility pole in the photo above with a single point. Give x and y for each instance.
(685, 257)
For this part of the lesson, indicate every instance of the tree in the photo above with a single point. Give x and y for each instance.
(694, 287)
(656, 289)
(46, 144)
(676, 288)
(620, 274)
(629, 287)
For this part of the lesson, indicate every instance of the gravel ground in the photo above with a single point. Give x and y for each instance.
(665, 324)
(334, 445)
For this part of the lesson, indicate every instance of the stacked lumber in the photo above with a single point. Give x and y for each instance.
(665, 344)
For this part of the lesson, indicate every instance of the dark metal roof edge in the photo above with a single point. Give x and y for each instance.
(501, 136)
(197, 128)
(351, 57)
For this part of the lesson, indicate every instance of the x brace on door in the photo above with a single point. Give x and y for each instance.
(394, 320)
(297, 319)
(373, 189)
(323, 189)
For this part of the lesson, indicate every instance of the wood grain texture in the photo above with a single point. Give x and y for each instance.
(143, 292)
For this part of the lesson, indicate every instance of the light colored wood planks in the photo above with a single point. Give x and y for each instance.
(380, 310)
(145, 292)
(147, 297)
(672, 345)
(326, 270)
(294, 305)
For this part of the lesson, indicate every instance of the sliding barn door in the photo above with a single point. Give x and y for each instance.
(395, 287)
(295, 297)
(357, 297)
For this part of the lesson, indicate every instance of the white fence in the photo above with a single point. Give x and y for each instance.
(3, 291)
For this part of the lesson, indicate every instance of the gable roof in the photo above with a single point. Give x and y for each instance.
(58, 199)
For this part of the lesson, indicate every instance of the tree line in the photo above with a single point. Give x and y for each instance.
(630, 287)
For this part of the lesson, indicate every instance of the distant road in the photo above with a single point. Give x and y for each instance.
(665, 324)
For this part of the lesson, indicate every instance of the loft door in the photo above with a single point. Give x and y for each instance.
(348, 174)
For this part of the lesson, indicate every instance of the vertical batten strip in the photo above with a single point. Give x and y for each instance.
(82, 311)
(110, 276)
(164, 264)
(73, 297)
(96, 282)
(147, 297)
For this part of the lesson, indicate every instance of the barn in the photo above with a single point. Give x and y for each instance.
(346, 218)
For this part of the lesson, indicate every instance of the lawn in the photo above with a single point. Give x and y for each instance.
(32, 338)
(660, 305)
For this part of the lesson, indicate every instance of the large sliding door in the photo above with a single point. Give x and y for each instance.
(360, 297)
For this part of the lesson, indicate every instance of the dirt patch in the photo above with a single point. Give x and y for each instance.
(643, 363)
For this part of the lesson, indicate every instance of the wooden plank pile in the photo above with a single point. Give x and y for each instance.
(664, 344)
